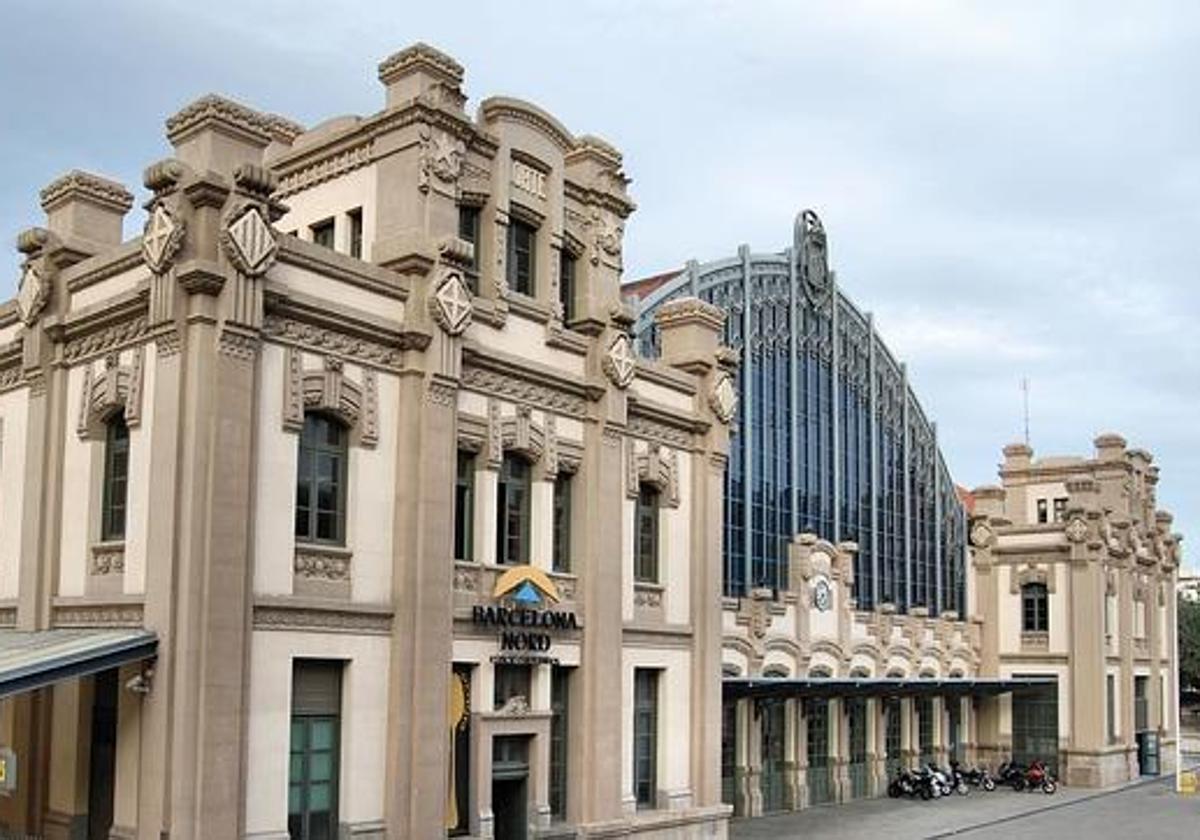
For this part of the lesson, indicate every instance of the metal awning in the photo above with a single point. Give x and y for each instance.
(784, 687)
(33, 659)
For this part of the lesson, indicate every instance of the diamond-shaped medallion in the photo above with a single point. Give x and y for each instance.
(160, 238)
(620, 363)
(32, 294)
(252, 242)
(452, 304)
(1077, 530)
(724, 398)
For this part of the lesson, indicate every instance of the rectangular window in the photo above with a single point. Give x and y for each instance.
(1141, 704)
(512, 512)
(510, 682)
(645, 736)
(313, 772)
(646, 528)
(1035, 615)
(464, 505)
(1060, 509)
(356, 232)
(468, 231)
(560, 716)
(322, 233)
(1111, 706)
(1041, 511)
(566, 285)
(522, 242)
(562, 523)
(116, 479)
(321, 481)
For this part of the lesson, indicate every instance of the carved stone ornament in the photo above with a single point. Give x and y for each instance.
(32, 295)
(812, 255)
(723, 398)
(981, 535)
(441, 158)
(450, 304)
(608, 237)
(161, 238)
(1077, 530)
(250, 242)
(620, 364)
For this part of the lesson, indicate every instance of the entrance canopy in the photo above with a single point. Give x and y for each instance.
(33, 659)
(734, 688)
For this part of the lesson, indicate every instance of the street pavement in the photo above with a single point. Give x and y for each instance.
(1147, 810)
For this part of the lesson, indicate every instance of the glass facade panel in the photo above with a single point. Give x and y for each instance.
(828, 438)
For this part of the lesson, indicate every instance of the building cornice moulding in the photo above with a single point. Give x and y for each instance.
(314, 615)
(326, 261)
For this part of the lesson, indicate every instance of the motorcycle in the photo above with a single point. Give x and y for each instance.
(1011, 774)
(976, 776)
(958, 780)
(933, 784)
(905, 784)
(1037, 777)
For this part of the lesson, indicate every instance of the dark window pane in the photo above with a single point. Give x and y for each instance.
(320, 480)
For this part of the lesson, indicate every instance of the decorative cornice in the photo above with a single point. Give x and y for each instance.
(381, 281)
(425, 57)
(303, 615)
(80, 612)
(85, 185)
(518, 111)
(325, 169)
(219, 111)
(328, 340)
(112, 337)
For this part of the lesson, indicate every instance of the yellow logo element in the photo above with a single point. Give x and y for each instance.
(526, 585)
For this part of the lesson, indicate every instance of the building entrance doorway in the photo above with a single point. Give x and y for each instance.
(773, 739)
(820, 787)
(510, 787)
(891, 743)
(103, 763)
(856, 717)
(1035, 725)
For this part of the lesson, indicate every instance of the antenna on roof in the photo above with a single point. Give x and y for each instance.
(1025, 397)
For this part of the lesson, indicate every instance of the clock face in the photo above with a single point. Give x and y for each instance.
(822, 595)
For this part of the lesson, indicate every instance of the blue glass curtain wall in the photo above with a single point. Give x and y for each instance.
(828, 438)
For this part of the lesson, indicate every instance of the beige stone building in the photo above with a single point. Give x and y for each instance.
(338, 503)
(1074, 569)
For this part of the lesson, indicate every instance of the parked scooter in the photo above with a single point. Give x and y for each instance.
(975, 776)
(958, 780)
(1009, 773)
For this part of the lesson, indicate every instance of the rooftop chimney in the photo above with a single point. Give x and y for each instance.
(219, 135)
(83, 206)
(422, 71)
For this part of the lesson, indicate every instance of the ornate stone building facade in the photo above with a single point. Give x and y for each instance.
(347, 481)
(1074, 569)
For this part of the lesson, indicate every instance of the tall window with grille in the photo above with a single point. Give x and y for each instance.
(313, 772)
(468, 231)
(1035, 608)
(522, 257)
(355, 218)
(560, 717)
(561, 543)
(464, 505)
(321, 481)
(116, 479)
(646, 536)
(512, 511)
(566, 285)
(645, 736)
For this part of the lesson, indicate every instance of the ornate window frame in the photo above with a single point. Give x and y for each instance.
(356, 404)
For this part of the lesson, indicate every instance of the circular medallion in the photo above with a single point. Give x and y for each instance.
(822, 595)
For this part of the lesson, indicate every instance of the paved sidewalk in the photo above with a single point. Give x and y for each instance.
(1141, 810)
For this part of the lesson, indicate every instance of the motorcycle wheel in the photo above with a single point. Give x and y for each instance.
(1018, 784)
(894, 790)
(926, 793)
(988, 783)
(1049, 786)
(961, 790)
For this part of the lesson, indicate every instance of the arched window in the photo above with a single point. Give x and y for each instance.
(1035, 608)
(512, 511)
(645, 560)
(321, 480)
(116, 478)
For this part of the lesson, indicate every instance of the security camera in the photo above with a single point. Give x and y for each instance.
(140, 683)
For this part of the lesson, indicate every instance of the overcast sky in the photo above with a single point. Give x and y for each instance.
(1012, 188)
